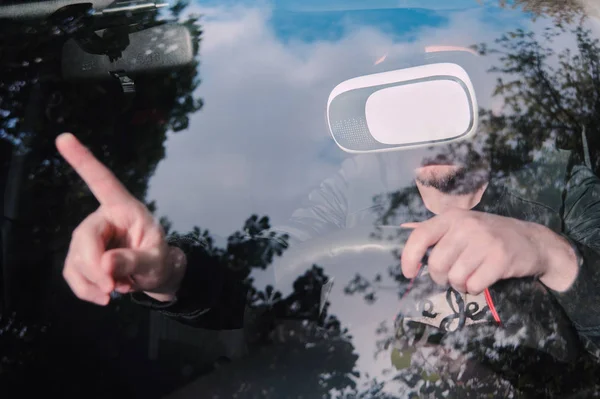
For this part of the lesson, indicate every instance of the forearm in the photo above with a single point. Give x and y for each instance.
(557, 257)
(576, 286)
(581, 299)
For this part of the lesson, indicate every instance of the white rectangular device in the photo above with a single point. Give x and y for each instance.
(403, 109)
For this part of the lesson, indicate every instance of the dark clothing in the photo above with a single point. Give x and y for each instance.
(563, 198)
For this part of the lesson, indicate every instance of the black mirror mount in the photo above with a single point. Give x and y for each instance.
(160, 48)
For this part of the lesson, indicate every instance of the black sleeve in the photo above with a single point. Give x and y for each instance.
(582, 228)
(581, 301)
(211, 296)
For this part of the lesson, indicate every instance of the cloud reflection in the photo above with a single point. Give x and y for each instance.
(261, 142)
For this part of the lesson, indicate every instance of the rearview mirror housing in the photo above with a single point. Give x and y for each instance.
(403, 109)
(163, 47)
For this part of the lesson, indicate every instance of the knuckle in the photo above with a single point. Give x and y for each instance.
(474, 286)
(499, 254)
(435, 265)
(456, 278)
(79, 233)
(76, 232)
(470, 224)
(66, 275)
(77, 265)
(69, 271)
(461, 232)
(439, 278)
(80, 291)
(437, 262)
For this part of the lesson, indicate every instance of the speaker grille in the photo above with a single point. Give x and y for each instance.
(353, 133)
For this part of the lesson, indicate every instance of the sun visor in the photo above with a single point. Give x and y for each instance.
(403, 109)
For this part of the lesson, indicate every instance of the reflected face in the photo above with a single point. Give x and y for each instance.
(455, 169)
(438, 176)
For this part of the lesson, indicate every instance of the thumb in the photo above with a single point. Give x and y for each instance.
(124, 262)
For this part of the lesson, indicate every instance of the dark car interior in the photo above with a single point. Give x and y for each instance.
(127, 77)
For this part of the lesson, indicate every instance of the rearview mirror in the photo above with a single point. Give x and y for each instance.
(402, 109)
(163, 47)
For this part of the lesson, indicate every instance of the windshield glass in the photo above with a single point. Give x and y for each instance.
(290, 151)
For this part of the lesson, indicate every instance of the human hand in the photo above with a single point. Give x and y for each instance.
(119, 247)
(473, 250)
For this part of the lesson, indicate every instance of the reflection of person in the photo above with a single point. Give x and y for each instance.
(120, 247)
(484, 234)
(507, 252)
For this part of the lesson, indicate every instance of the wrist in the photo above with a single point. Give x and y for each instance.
(176, 262)
(560, 261)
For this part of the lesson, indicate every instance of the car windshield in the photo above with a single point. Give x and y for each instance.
(292, 150)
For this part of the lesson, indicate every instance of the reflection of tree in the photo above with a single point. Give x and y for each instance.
(549, 95)
(552, 99)
(373, 390)
(185, 82)
(561, 11)
(295, 345)
(43, 325)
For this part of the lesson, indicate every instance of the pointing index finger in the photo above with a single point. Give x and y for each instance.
(424, 236)
(107, 189)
